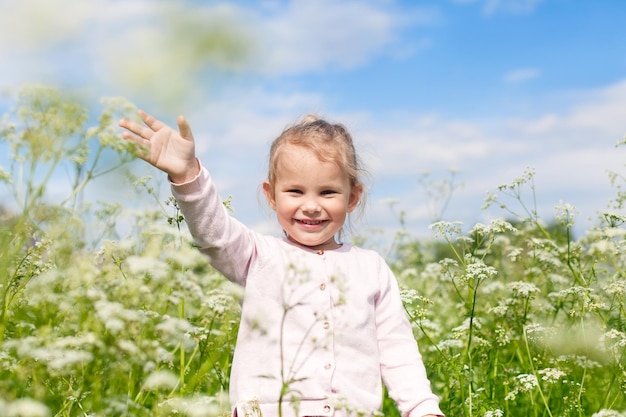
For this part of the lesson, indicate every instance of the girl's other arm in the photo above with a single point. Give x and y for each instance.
(160, 145)
(402, 366)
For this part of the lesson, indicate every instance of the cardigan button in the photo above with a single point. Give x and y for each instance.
(327, 408)
(320, 252)
(322, 286)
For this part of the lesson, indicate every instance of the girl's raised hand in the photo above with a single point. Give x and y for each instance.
(169, 150)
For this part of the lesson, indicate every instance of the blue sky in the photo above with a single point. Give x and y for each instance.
(482, 88)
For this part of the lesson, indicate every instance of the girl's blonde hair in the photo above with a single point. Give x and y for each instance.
(330, 142)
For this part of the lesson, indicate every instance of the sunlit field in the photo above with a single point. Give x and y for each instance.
(517, 317)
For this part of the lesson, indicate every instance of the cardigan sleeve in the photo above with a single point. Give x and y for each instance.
(401, 364)
(229, 244)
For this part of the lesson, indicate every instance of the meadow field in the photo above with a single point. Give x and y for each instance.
(517, 317)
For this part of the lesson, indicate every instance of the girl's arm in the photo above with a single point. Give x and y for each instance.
(401, 364)
(228, 244)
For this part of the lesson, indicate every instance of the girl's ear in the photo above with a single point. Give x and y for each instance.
(355, 196)
(269, 194)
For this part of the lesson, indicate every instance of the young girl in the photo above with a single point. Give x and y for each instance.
(322, 321)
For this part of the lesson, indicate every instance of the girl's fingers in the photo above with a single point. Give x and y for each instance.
(143, 145)
(150, 121)
(140, 131)
(184, 129)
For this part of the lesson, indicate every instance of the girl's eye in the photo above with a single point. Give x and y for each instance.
(294, 191)
(328, 192)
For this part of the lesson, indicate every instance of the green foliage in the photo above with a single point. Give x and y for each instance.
(521, 319)
(141, 326)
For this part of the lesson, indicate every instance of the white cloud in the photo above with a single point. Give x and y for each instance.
(32, 24)
(522, 74)
(491, 7)
(570, 147)
(310, 36)
(150, 48)
(163, 52)
(412, 144)
(510, 6)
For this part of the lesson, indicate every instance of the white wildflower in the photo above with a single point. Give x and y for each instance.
(537, 332)
(511, 396)
(178, 331)
(449, 344)
(114, 325)
(493, 286)
(527, 382)
(617, 336)
(149, 366)
(175, 326)
(62, 360)
(494, 413)
(523, 289)
(502, 241)
(149, 266)
(514, 254)
(614, 220)
(408, 273)
(501, 309)
(162, 355)
(5, 176)
(57, 356)
(565, 214)
(603, 247)
(446, 229)
(115, 315)
(551, 375)
(490, 199)
(503, 337)
(26, 407)
(494, 227)
(252, 408)
(548, 257)
(515, 185)
(448, 263)
(502, 226)
(575, 290)
(615, 232)
(431, 271)
(192, 407)
(160, 380)
(617, 288)
(218, 301)
(608, 413)
(579, 360)
(475, 323)
(558, 279)
(478, 272)
(129, 347)
(410, 295)
(185, 257)
(7, 363)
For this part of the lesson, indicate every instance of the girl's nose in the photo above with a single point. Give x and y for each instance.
(311, 205)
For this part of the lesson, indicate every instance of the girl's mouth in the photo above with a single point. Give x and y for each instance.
(306, 222)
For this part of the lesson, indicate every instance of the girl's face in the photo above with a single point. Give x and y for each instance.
(311, 198)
